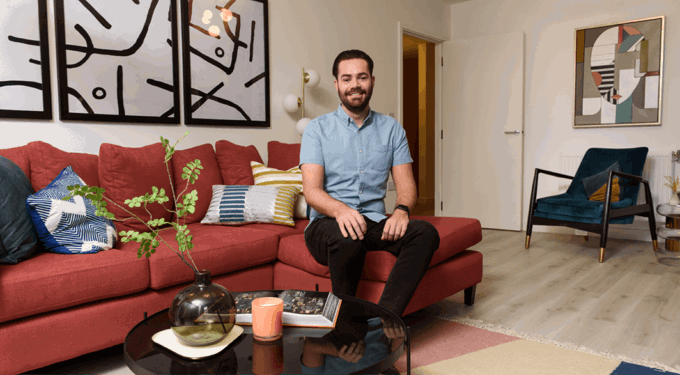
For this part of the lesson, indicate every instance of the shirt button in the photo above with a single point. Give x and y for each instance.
(362, 171)
(359, 151)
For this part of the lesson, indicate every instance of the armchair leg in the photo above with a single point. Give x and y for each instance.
(528, 241)
(655, 244)
(585, 237)
(601, 254)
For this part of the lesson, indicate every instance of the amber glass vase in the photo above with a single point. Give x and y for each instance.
(202, 313)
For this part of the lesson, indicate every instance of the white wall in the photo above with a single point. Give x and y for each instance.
(549, 27)
(302, 33)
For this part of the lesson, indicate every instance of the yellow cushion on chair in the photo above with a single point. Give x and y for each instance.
(600, 193)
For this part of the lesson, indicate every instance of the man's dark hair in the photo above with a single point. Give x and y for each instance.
(349, 55)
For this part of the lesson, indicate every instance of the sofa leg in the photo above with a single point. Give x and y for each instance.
(656, 245)
(528, 241)
(601, 254)
(470, 295)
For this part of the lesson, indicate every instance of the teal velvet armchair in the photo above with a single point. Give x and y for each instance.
(573, 209)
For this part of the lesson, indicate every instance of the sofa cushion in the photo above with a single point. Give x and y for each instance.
(69, 227)
(18, 239)
(216, 248)
(283, 155)
(284, 231)
(128, 172)
(456, 234)
(234, 161)
(48, 161)
(55, 281)
(210, 175)
(19, 155)
(243, 204)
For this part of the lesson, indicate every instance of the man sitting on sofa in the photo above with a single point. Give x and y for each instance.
(345, 158)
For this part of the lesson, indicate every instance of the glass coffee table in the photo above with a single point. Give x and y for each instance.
(357, 319)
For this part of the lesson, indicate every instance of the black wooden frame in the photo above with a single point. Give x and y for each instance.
(644, 210)
(187, 90)
(45, 85)
(65, 114)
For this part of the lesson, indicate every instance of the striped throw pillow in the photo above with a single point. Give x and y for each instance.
(266, 176)
(69, 227)
(244, 204)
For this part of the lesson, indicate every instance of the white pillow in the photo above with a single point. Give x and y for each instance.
(244, 204)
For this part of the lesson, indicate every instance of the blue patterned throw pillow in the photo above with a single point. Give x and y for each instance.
(244, 204)
(69, 227)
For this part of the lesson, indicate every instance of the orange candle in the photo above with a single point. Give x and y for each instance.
(267, 318)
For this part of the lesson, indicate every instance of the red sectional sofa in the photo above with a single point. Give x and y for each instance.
(54, 307)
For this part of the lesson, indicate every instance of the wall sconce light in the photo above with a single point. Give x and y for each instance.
(291, 103)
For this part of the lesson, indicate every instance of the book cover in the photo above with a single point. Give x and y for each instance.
(300, 307)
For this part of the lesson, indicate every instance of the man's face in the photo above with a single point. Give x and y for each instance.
(354, 84)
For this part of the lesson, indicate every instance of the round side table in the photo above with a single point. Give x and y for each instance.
(669, 254)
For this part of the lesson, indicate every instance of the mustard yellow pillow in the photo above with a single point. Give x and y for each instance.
(266, 176)
(600, 193)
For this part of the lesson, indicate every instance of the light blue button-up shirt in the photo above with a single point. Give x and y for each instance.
(356, 161)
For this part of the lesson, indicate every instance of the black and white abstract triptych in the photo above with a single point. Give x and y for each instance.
(118, 61)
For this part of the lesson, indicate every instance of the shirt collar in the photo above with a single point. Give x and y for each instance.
(345, 119)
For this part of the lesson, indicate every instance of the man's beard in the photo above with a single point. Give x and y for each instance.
(356, 108)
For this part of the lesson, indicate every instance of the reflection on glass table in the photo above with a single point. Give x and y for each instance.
(669, 254)
(358, 320)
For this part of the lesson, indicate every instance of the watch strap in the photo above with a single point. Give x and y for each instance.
(403, 208)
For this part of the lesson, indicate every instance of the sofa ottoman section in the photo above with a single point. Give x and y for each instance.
(456, 235)
(463, 271)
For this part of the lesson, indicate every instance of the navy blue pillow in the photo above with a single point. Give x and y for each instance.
(596, 181)
(18, 238)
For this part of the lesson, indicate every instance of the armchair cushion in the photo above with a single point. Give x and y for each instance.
(566, 207)
(593, 183)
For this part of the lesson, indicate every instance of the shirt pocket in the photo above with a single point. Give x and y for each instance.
(380, 158)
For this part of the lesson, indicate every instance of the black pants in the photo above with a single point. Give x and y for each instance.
(345, 257)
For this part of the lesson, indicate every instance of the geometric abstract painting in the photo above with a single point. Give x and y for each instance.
(24, 60)
(619, 74)
(118, 60)
(225, 47)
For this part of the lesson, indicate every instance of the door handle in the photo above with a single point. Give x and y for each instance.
(512, 132)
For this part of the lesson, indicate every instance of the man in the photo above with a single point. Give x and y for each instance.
(345, 158)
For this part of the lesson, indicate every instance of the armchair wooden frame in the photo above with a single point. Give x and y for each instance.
(645, 210)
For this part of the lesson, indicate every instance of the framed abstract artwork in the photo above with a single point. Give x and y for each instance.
(619, 74)
(24, 60)
(226, 62)
(118, 60)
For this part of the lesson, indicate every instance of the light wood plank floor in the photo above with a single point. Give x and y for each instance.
(629, 305)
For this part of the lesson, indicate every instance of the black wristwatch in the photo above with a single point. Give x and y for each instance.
(404, 208)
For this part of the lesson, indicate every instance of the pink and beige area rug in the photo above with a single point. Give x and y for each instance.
(445, 347)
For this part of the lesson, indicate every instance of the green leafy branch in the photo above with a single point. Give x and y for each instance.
(149, 241)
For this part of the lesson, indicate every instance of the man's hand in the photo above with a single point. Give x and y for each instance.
(351, 223)
(395, 227)
(354, 352)
(392, 330)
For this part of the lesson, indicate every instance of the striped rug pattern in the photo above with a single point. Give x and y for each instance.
(445, 347)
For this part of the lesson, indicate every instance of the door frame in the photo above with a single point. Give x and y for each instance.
(401, 31)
